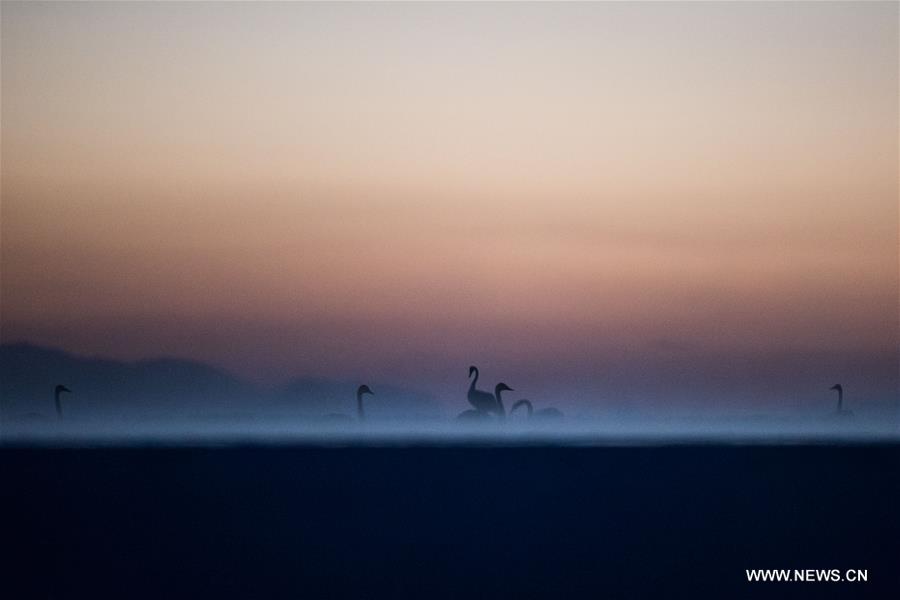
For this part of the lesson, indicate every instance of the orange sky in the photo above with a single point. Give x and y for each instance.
(391, 189)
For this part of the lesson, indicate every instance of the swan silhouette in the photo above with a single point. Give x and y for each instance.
(840, 406)
(363, 389)
(360, 413)
(498, 406)
(59, 389)
(485, 404)
(482, 401)
(544, 413)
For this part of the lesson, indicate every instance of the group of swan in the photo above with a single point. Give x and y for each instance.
(489, 405)
(486, 405)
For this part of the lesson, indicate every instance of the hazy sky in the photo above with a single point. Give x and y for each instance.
(612, 198)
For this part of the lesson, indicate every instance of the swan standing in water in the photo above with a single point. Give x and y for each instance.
(59, 389)
(360, 413)
(481, 400)
(485, 404)
(363, 389)
(544, 413)
(840, 407)
(498, 407)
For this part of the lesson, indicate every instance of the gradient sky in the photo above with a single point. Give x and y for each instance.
(612, 200)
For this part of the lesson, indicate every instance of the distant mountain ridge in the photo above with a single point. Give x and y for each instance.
(172, 386)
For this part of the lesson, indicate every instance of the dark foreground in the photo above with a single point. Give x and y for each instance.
(447, 522)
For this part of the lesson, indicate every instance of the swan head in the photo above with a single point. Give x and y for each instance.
(472, 370)
(502, 387)
(60, 389)
(837, 387)
(364, 389)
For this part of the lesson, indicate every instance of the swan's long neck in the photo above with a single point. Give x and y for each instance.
(58, 403)
(474, 381)
(520, 403)
(359, 406)
(497, 393)
(840, 400)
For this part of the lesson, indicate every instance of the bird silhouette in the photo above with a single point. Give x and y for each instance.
(360, 413)
(59, 389)
(544, 413)
(363, 389)
(840, 405)
(498, 407)
(482, 401)
(487, 409)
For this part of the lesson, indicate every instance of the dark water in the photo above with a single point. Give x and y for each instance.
(447, 522)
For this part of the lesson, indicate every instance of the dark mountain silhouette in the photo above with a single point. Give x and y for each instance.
(27, 375)
(173, 387)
